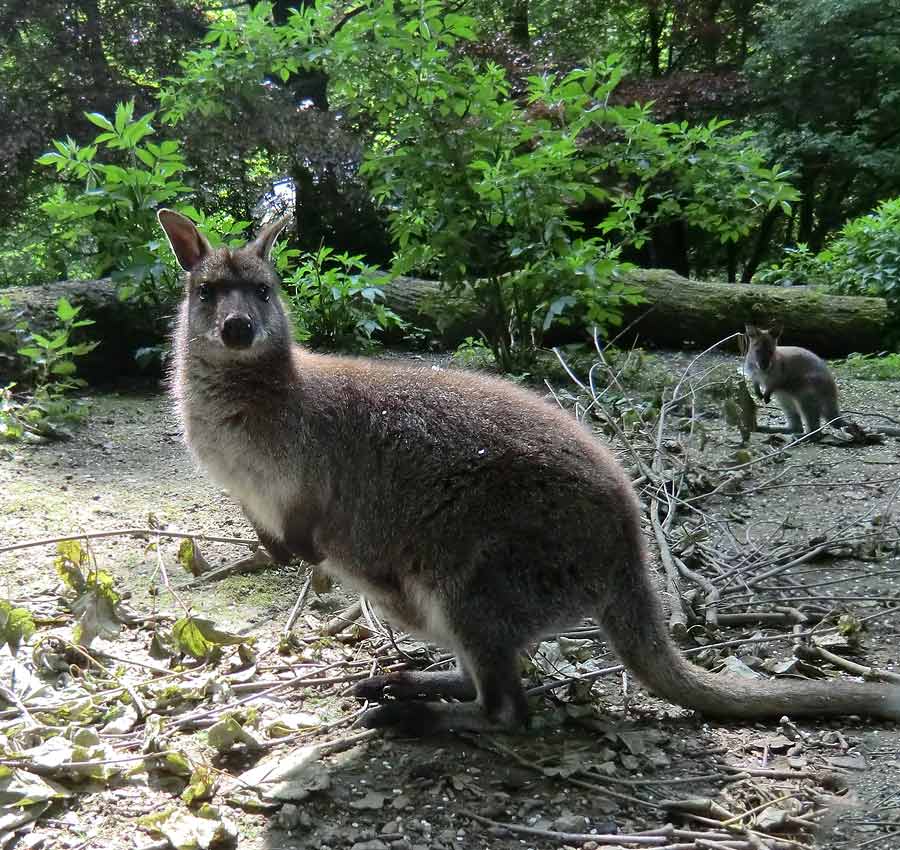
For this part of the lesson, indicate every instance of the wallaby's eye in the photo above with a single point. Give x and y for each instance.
(203, 291)
(263, 291)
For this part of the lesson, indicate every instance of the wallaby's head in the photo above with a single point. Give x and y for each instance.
(233, 308)
(762, 344)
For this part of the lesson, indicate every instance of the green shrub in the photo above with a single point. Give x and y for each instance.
(48, 407)
(107, 203)
(479, 180)
(335, 299)
(473, 353)
(871, 367)
(799, 267)
(862, 259)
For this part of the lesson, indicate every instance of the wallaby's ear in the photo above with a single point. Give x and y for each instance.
(776, 331)
(262, 245)
(188, 244)
(751, 330)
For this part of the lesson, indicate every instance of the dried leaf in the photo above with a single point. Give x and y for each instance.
(227, 733)
(374, 800)
(290, 778)
(191, 558)
(185, 831)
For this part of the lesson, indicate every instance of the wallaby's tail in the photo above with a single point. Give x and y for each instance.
(645, 647)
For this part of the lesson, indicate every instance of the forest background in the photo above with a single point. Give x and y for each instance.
(528, 152)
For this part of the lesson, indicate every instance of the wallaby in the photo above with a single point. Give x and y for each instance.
(470, 511)
(800, 381)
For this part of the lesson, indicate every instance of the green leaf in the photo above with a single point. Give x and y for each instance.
(64, 367)
(191, 558)
(70, 561)
(198, 637)
(144, 156)
(202, 785)
(225, 734)
(65, 311)
(16, 625)
(51, 159)
(95, 608)
(100, 120)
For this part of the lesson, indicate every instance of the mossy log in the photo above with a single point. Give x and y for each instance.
(683, 313)
(677, 313)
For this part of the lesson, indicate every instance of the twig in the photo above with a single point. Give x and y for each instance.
(756, 809)
(298, 605)
(712, 594)
(808, 652)
(643, 840)
(126, 532)
(677, 617)
(258, 560)
(345, 618)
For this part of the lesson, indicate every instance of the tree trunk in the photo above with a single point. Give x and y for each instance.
(517, 17)
(677, 313)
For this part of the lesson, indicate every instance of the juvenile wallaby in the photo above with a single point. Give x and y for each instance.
(470, 511)
(800, 381)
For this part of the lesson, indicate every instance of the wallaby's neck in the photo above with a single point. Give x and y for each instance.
(234, 385)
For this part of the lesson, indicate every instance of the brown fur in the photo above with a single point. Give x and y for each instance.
(799, 380)
(467, 509)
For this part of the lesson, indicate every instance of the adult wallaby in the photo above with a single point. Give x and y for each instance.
(799, 381)
(470, 511)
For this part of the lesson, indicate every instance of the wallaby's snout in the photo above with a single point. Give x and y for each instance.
(237, 330)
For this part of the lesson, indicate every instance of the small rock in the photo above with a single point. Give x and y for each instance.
(571, 823)
(374, 844)
(289, 816)
(629, 762)
(400, 802)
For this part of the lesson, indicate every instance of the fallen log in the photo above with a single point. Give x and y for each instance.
(123, 327)
(684, 313)
(677, 313)
(692, 314)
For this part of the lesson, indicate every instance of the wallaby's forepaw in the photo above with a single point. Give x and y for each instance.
(391, 686)
(415, 719)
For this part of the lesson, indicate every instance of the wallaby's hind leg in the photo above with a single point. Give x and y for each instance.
(791, 412)
(411, 684)
(812, 414)
(500, 704)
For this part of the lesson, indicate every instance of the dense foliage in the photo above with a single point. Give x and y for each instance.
(862, 259)
(525, 150)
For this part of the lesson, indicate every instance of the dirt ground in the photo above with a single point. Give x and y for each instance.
(596, 759)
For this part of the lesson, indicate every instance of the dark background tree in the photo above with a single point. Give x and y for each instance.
(819, 79)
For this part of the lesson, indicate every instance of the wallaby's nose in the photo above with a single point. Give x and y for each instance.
(237, 330)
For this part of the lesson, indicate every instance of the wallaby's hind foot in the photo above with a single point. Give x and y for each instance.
(500, 703)
(412, 685)
(421, 719)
